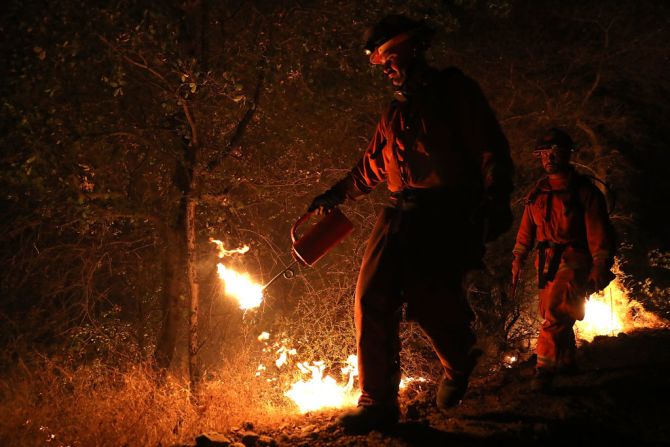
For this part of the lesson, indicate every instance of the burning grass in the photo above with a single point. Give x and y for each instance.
(270, 368)
(50, 402)
(613, 311)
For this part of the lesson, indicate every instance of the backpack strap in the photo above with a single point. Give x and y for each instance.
(609, 193)
(535, 192)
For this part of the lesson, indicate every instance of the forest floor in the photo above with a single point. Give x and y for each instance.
(619, 397)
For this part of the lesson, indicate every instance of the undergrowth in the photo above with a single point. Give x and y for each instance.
(46, 402)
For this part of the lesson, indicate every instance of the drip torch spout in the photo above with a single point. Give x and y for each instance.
(287, 273)
(316, 242)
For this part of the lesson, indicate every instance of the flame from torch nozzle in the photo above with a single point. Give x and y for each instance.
(238, 285)
(248, 294)
(223, 252)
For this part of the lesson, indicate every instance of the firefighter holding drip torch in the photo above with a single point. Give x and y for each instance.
(440, 150)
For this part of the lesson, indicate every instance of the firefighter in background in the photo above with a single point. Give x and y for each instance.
(566, 219)
(446, 162)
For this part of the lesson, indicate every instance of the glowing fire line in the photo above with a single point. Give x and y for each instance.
(324, 392)
(321, 392)
(316, 391)
(612, 311)
(601, 318)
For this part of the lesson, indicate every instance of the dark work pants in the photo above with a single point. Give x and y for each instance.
(418, 257)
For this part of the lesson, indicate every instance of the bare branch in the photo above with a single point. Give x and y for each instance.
(248, 115)
(241, 126)
(191, 123)
(594, 86)
(589, 132)
(131, 61)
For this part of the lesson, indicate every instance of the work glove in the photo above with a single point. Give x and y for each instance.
(325, 202)
(599, 277)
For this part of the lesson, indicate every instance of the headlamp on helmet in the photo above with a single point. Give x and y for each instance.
(554, 139)
(393, 30)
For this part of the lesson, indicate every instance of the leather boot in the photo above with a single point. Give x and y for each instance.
(450, 392)
(542, 381)
(366, 418)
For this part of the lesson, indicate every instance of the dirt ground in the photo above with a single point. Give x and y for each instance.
(619, 396)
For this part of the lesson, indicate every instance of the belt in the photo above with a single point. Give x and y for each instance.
(544, 276)
(411, 198)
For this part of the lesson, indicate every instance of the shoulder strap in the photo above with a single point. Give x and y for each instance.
(609, 193)
(607, 190)
(535, 192)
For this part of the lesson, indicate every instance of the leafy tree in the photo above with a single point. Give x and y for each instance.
(132, 132)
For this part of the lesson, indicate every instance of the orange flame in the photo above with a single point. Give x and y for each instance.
(248, 294)
(323, 392)
(405, 381)
(319, 392)
(601, 317)
(316, 391)
(509, 360)
(284, 352)
(612, 311)
(223, 252)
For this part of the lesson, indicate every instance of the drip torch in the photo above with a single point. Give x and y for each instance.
(318, 240)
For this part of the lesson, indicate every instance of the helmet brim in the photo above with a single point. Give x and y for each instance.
(538, 150)
(376, 55)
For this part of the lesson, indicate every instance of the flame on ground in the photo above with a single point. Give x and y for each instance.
(509, 360)
(316, 391)
(319, 392)
(601, 317)
(284, 352)
(406, 381)
(612, 311)
(248, 294)
(324, 392)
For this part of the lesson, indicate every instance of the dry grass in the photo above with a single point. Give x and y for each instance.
(51, 401)
(47, 403)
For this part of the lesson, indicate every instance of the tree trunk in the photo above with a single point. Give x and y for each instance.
(195, 22)
(172, 289)
(193, 364)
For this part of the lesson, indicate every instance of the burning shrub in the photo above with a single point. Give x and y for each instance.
(613, 311)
